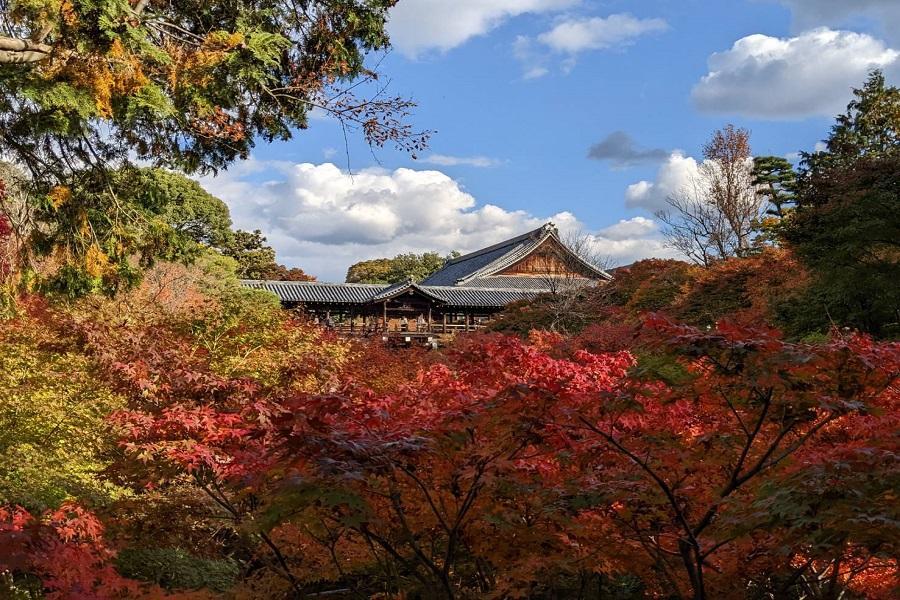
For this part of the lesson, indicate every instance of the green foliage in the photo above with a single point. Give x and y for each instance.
(88, 248)
(52, 420)
(175, 569)
(19, 588)
(188, 208)
(189, 88)
(777, 182)
(845, 227)
(101, 232)
(402, 267)
(869, 129)
(849, 235)
(376, 270)
(256, 259)
(88, 86)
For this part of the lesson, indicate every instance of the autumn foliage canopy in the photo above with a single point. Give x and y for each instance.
(699, 464)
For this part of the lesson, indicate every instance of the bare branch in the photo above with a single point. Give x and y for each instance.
(713, 216)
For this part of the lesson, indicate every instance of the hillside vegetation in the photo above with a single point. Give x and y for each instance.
(726, 429)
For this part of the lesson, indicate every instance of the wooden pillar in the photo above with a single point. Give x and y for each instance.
(386, 328)
(444, 327)
(467, 321)
(429, 318)
(352, 320)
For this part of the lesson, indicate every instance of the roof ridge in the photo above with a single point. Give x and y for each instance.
(519, 238)
(513, 255)
(284, 282)
(476, 290)
(392, 290)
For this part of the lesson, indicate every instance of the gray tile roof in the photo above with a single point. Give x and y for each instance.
(455, 295)
(535, 284)
(313, 291)
(467, 281)
(357, 293)
(399, 288)
(471, 267)
(487, 259)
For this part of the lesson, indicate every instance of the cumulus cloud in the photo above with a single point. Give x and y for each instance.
(626, 241)
(324, 219)
(572, 36)
(630, 229)
(418, 26)
(782, 78)
(598, 33)
(444, 160)
(622, 152)
(675, 174)
(843, 13)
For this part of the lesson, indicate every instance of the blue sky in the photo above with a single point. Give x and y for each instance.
(518, 93)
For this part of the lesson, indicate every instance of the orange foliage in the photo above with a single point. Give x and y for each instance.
(747, 290)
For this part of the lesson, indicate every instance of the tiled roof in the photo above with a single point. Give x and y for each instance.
(357, 293)
(313, 291)
(455, 295)
(471, 267)
(487, 259)
(535, 284)
(469, 280)
(399, 288)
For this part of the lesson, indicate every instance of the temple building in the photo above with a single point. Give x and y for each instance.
(464, 294)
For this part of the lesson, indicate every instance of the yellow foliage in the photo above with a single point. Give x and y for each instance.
(118, 73)
(96, 262)
(222, 41)
(68, 14)
(53, 408)
(214, 49)
(102, 80)
(117, 50)
(59, 196)
(84, 227)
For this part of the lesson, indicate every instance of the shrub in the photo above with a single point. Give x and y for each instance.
(174, 569)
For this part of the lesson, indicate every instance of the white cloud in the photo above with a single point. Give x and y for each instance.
(570, 37)
(628, 229)
(445, 160)
(621, 243)
(674, 175)
(324, 219)
(847, 13)
(782, 78)
(418, 26)
(533, 58)
(598, 33)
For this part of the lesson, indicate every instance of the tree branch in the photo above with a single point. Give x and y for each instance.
(15, 51)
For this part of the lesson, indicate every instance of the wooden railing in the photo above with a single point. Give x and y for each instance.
(435, 328)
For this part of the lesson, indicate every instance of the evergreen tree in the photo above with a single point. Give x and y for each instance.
(846, 227)
(402, 267)
(87, 87)
(256, 259)
(776, 182)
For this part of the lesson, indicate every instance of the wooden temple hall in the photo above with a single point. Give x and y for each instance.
(463, 295)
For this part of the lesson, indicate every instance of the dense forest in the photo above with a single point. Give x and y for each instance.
(720, 428)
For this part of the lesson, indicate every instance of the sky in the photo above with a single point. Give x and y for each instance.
(581, 112)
